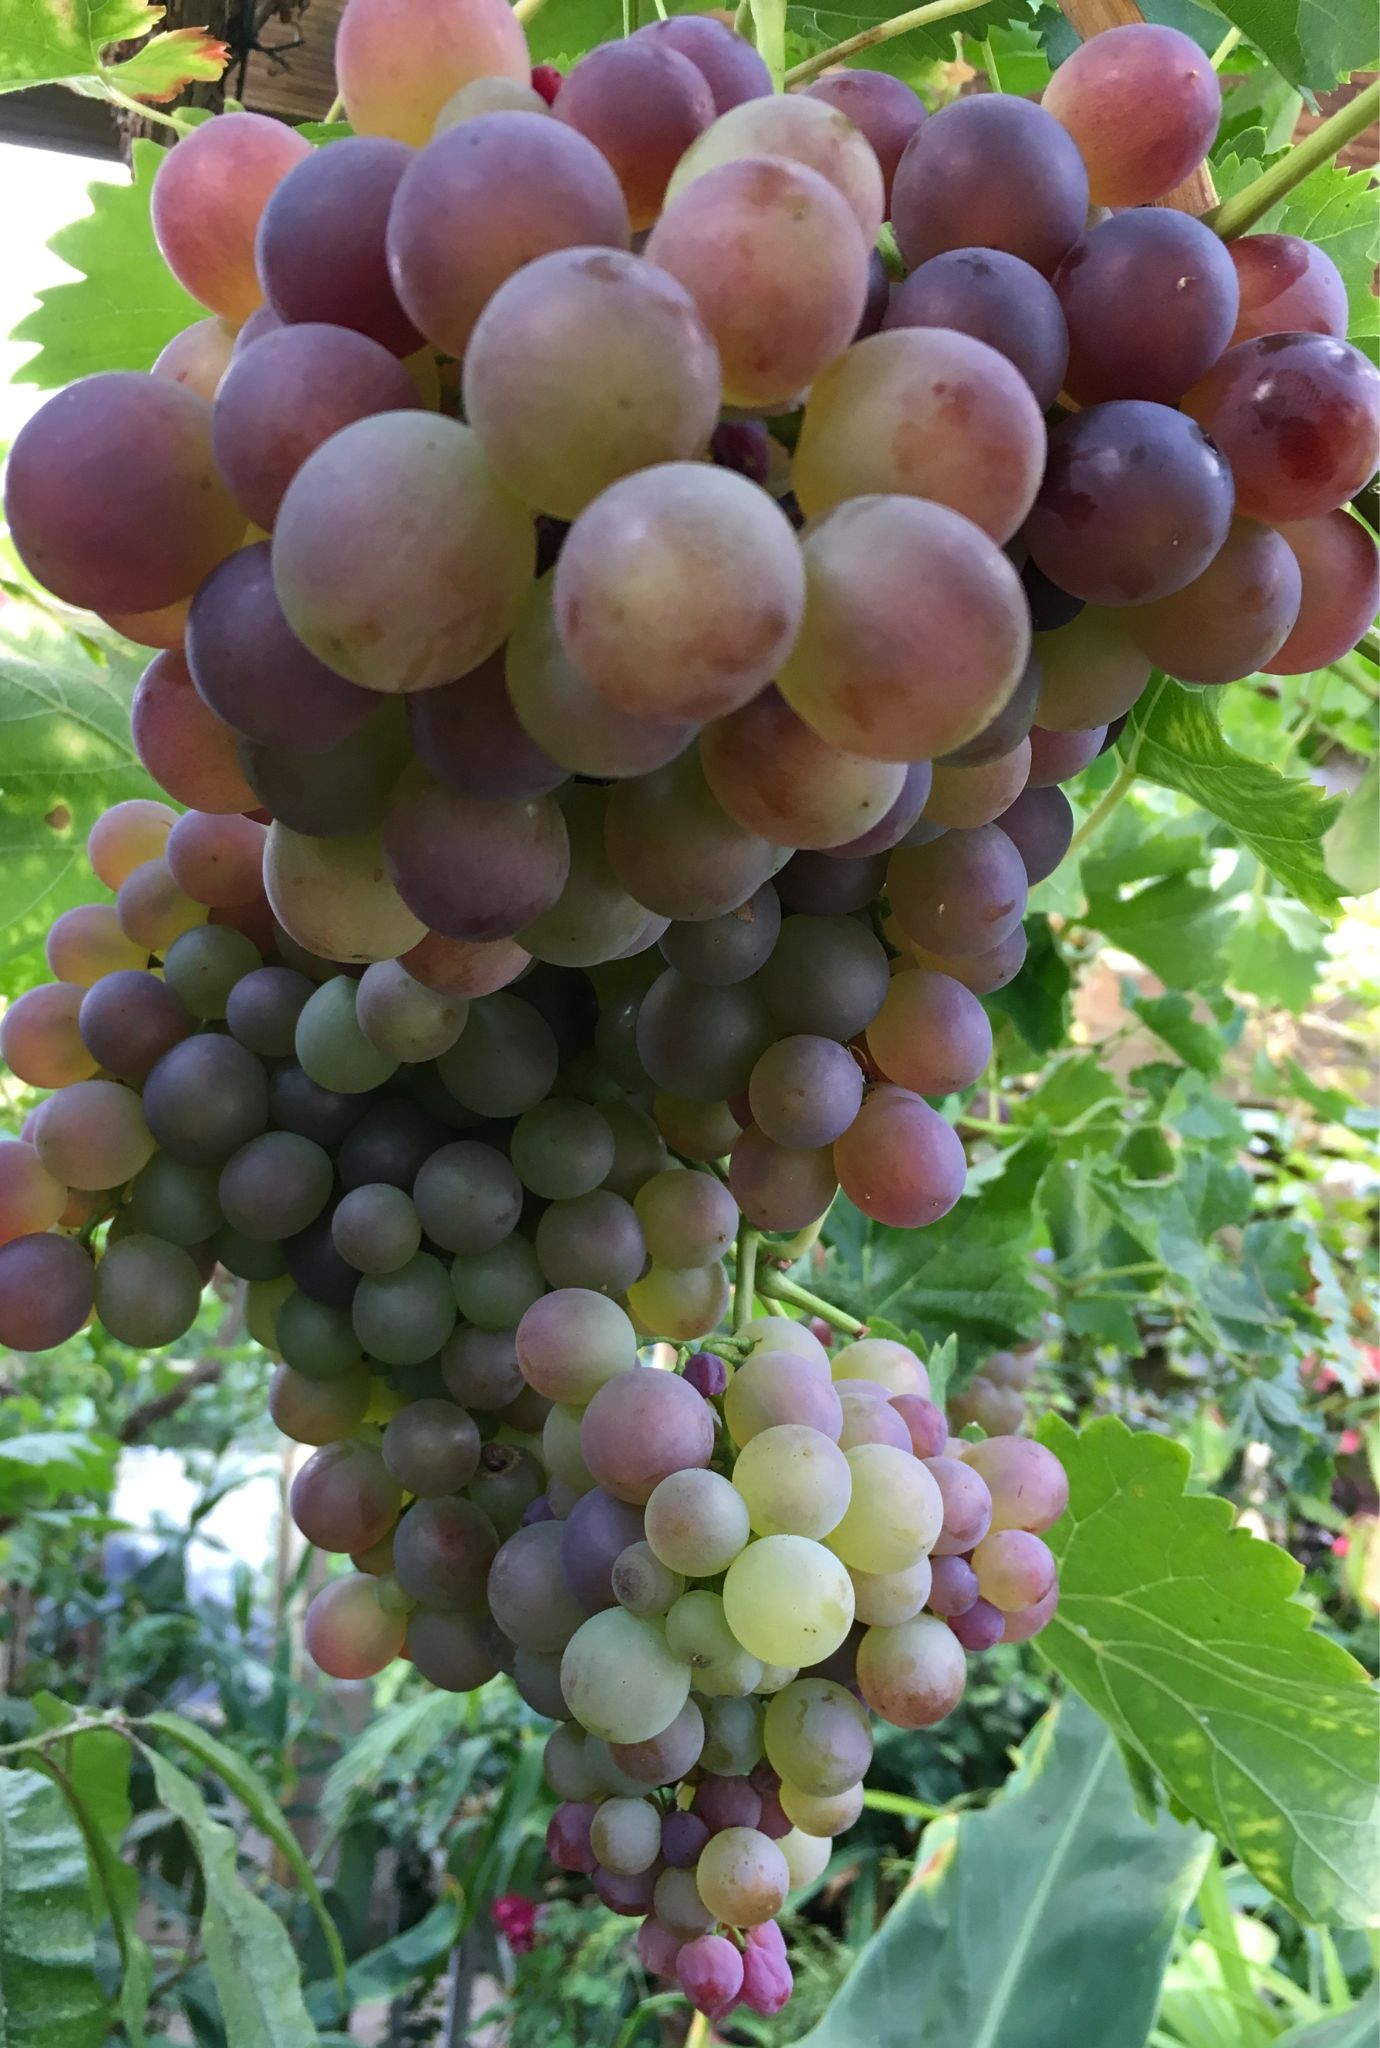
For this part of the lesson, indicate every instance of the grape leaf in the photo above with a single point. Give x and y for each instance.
(1312, 43)
(1186, 1637)
(125, 306)
(60, 42)
(1171, 1018)
(1037, 1001)
(65, 756)
(1177, 926)
(1174, 737)
(1276, 951)
(1047, 1917)
(48, 1986)
(1350, 844)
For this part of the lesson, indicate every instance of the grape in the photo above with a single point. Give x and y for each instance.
(431, 1447)
(777, 777)
(963, 893)
(696, 1523)
(32, 1200)
(568, 1837)
(1093, 668)
(670, 840)
(679, 1907)
(794, 1480)
(453, 1651)
(1150, 298)
(643, 387)
(680, 1303)
(593, 1241)
(216, 860)
(899, 1161)
(660, 1760)
(147, 1292)
(495, 1289)
(567, 1766)
(926, 1423)
(980, 1626)
(317, 1266)
(572, 1341)
(953, 1586)
(626, 1835)
(999, 736)
(1059, 756)
(913, 1674)
(647, 643)
(398, 61)
(994, 297)
(780, 1188)
(804, 131)
(1142, 103)
(330, 1045)
(186, 748)
(208, 198)
(788, 1600)
(505, 1059)
(697, 1632)
(1028, 1485)
(643, 1584)
(704, 1041)
(112, 495)
(150, 910)
(817, 1737)
(320, 247)
(165, 626)
(93, 1135)
(884, 1363)
(830, 883)
(826, 977)
(774, 1387)
(442, 1552)
(343, 1498)
(527, 1594)
(931, 1034)
(1340, 572)
(1231, 620)
(642, 103)
(696, 1130)
(297, 1103)
(1287, 286)
(455, 967)
(822, 1817)
(488, 96)
(967, 1505)
(391, 1141)
(315, 1339)
(318, 1411)
(639, 1428)
(275, 1185)
(40, 1037)
(707, 1373)
(771, 255)
(1157, 491)
(1298, 418)
(594, 1535)
(883, 1599)
(203, 967)
(620, 1679)
(732, 1735)
(732, 68)
(709, 1970)
(467, 736)
(594, 918)
(561, 1148)
(403, 1019)
(1014, 1569)
(895, 1512)
(728, 948)
(347, 1633)
(480, 1368)
(197, 357)
(564, 716)
(248, 1258)
(868, 1416)
(688, 1219)
(474, 867)
(468, 1198)
(121, 840)
(969, 797)
(930, 414)
(991, 172)
(46, 1290)
(916, 630)
(886, 110)
(856, 855)
(1021, 1623)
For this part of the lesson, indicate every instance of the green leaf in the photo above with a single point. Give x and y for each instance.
(65, 756)
(50, 1462)
(60, 42)
(822, 23)
(250, 1789)
(1178, 927)
(1312, 43)
(1037, 1001)
(1046, 1918)
(251, 1959)
(49, 1996)
(1352, 844)
(125, 306)
(1355, 2028)
(969, 1275)
(1185, 1635)
(396, 1965)
(1276, 952)
(1176, 739)
(1336, 209)
(1171, 1018)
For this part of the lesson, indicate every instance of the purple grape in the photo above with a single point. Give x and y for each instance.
(706, 1373)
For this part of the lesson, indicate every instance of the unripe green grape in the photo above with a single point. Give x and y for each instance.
(891, 1365)
(643, 1584)
(882, 1599)
(680, 1305)
(201, 967)
(147, 1292)
(732, 1736)
(697, 1522)
(315, 1339)
(895, 1514)
(788, 1600)
(626, 1835)
(560, 1449)
(829, 1815)
(698, 1632)
(807, 1856)
(566, 1765)
(742, 1877)
(495, 1289)
(794, 1481)
(817, 1737)
(621, 1678)
(405, 1317)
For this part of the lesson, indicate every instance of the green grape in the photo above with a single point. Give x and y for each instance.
(405, 1317)
(275, 1185)
(891, 1365)
(431, 1448)
(680, 1304)
(495, 1289)
(335, 896)
(882, 1599)
(561, 1148)
(332, 1049)
(696, 1522)
(794, 1480)
(677, 1905)
(643, 1584)
(788, 1600)
(698, 1632)
(402, 1018)
(173, 1201)
(732, 1736)
(621, 1678)
(375, 1228)
(817, 1737)
(319, 1411)
(315, 1339)
(830, 1815)
(896, 1512)
(566, 1766)
(202, 966)
(147, 1292)
(560, 1448)
(246, 1257)
(742, 1877)
(262, 1301)
(687, 1218)
(571, 1341)
(807, 1856)
(626, 1835)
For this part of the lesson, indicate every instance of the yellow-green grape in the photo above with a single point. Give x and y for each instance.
(742, 1877)
(566, 1766)
(680, 1303)
(620, 1678)
(732, 1736)
(560, 1448)
(625, 1835)
(698, 1631)
(774, 1677)
(335, 897)
(817, 1737)
(643, 1584)
(833, 1814)
(807, 1856)
(891, 1365)
(262, 1301)
(788, 1600)
(783, 1333)
(794, 1480)
(895, 1514)
(884, 1598)
(697, 1522)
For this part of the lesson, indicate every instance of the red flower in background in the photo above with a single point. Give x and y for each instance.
(516, 1920)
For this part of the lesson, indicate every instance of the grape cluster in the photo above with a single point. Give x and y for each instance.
(617, 653)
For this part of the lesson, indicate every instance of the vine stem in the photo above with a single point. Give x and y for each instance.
(769, 29)
(699, 2035)
(745, 1276)
(1101, 811)
(335, 110)
(133, 106)
(1255, 200)
(880, 32)
(776, 1287)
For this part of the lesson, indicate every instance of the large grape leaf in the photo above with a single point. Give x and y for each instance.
(62, 42)
(65, 756)
(49, 1996)
(1312, 43)
(1175, 738)
(124, 306)
(1186, 1636)
(1045, 1918)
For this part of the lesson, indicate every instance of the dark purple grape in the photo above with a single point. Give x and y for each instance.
(998, 299)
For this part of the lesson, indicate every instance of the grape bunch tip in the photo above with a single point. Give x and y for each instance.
(615, 658)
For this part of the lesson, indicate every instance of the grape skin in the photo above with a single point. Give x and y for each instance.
(1231, 620)
(996, 298)
(397, 62)
(1287, 286)
(777, 777)
(802, 129)
(208, 199)
(885, 108)
(1298, 418)
(1340, 592)
(1151, 299)
(643, 104)
(1142, 103)
(957, 183)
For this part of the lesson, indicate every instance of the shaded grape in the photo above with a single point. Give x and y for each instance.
(442, 1551)
(995, 297)
(992, 172)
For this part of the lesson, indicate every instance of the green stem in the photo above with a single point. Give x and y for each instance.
(658, 2002)
(742, 20)
(1101, 811)
(745, 1276)
(1225, 48)
(525, 9)
(133, 106)
(880, 32)
(1220, 1928)
(769, 24)
(1255, 200)
(776, 1287)
(989, 65)
(699, 2035)
(335, 110)
(1369, 645)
